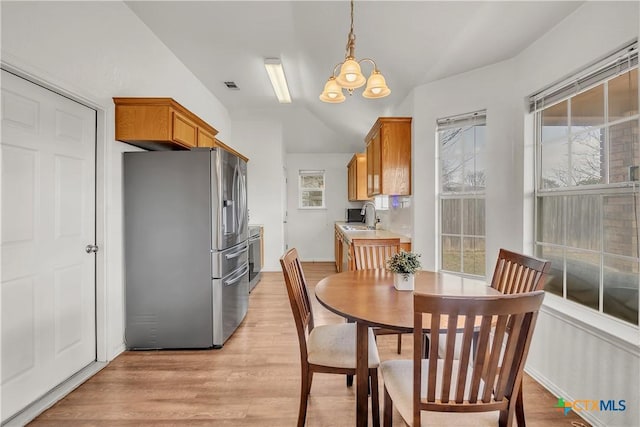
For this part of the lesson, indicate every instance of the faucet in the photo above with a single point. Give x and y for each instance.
(370, 221)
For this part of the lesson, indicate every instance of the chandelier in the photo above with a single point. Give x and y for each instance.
(351, 77)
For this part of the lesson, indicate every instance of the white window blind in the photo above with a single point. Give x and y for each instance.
(605, 68)
(476, 118)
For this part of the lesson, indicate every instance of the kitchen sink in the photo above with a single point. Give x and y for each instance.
(355, 227)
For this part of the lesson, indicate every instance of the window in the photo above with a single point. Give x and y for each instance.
(461, 142)
(587, 184)
(311, 190)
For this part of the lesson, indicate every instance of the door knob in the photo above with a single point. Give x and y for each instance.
(91, 249)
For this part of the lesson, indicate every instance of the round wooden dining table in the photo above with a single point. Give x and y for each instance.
(369, 298)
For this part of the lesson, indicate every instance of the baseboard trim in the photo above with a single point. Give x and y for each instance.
(29, 413)
(553, 389)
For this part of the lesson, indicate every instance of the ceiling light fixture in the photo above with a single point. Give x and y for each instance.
(350, 76)
(278, 80)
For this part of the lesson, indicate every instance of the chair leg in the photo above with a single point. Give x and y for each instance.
(520, 408)
(305, 388)
(349, 377)
(375, 399)
(399, 343)
(388, 409)
(506, 416)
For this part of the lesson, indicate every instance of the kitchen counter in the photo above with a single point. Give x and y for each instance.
(346, 232)
(368, 234)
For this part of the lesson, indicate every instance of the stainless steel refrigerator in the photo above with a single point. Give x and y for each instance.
(186, 249)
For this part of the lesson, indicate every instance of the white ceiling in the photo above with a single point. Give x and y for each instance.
(412, 42)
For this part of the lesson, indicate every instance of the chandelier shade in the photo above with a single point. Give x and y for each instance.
(332, 92)
(350, 76)
(376, 86)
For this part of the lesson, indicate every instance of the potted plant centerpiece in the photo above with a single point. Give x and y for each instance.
(403, 265)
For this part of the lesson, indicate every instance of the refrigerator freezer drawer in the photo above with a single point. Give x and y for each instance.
(230, 303)
(229, 260)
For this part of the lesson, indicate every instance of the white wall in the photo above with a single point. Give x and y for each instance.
(574, 359)
(95, 51)
(262, 143)
(311, 231)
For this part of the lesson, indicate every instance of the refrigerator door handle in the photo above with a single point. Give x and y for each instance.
(235, 197)
(242, 190)
(236, 279)
(238, 253)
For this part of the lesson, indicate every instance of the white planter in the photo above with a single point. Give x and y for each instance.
(401, 283)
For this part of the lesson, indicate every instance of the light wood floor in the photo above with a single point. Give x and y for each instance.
(253, 381)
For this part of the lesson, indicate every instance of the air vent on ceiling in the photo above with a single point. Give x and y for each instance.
(232, 85)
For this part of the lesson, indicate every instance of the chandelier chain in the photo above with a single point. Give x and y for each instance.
(352, 16)
(350, 76)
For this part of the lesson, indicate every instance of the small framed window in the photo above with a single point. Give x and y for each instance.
(311, 189)
(461, 143)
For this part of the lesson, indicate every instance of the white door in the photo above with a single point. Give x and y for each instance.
(285, 213)
(48, 218)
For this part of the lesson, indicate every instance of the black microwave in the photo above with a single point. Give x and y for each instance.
(354, 215)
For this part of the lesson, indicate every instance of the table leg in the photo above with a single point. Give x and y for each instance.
(362, 374)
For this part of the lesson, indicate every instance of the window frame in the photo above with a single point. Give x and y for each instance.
(623, 328)
(301, 189)
(473, 119)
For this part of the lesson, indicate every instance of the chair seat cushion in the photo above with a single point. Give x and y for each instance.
(335, 345)
(398, 380)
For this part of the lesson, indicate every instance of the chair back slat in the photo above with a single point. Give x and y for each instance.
(509, 356)
(298, 297)
(433, 355)
(373, 253)
(516, 273)
(467, 341)
(498, 329)
(448, 361)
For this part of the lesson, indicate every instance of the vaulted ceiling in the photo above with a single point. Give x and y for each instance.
(412, 42)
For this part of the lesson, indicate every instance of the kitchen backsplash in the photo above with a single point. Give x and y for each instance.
(398, 217)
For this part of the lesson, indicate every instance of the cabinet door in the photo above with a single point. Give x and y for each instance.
(205, 139)
(369, 169)
(374, 176)
(338, 250)
(395, 166)
(351, 180)
(361, 178)
(185, 132)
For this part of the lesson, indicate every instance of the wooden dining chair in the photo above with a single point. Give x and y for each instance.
(372, 254)
(515, 273)
(326, 348)
(487, 383)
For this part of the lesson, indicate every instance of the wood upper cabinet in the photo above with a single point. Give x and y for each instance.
(389, 157)
(357, 178)
(206, 139)
(163, 124)
(184, 131)
(158, 124)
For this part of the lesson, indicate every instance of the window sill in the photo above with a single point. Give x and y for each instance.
(616, 332)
